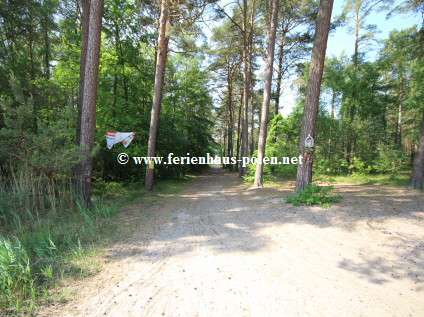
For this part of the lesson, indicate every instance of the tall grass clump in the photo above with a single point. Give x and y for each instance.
(42, 224)
(44, 235)
(16, 280)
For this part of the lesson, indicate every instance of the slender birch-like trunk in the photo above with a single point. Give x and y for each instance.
(162, 52)
(267, 96)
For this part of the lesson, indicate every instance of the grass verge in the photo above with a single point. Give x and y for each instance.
(401, 179)
(36, 255)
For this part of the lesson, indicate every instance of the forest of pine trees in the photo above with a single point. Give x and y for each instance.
(200, 76)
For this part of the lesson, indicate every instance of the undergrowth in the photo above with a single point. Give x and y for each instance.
(38, 254)
(48, 235)
(314, 195)
(400, 179)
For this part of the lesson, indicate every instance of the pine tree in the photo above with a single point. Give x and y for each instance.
(304, 171)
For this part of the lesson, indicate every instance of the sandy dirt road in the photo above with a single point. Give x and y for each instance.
(219, 249)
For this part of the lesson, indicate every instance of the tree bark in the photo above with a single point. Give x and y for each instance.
(162, 50)
(83, 61)
(115, 69)
(230, 114)
(280, 68)
(246, 89)
(417, 177)
(398, 140)
(46, 47)
(88, 109)
(355, 54)
(252, 121)
(240, 115)
(267, 96)
(252, 110)
(352, 108)
(304, 171)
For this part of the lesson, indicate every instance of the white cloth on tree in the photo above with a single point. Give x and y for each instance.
(113, 138)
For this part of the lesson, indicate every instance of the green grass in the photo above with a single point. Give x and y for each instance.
(401, 179)
(169, 188)
(130, 193)
(36, 255)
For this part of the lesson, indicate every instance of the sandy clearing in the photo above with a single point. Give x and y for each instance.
(219, 249)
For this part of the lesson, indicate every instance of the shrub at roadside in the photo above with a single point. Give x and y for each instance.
(314, 195)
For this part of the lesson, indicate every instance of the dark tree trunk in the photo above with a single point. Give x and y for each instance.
(88, 109)
(124, 76)
(224, 152)
(400, 112)
(162, 52)
(280, 69)
(252, 122)
(115, 70)
(252, 96)
(353, 105)
(246, 89)
(46, 47)
(267, 95)
(240, 118)
(355, 54)
(230, 114)
(304, 171)
(83, 61)
(31, 41)
(417, 177)
(399, 129)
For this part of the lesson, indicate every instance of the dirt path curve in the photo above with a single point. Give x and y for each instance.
(219, 249)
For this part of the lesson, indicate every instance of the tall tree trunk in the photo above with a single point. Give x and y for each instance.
(162, 52)
(32, 67)
(267, 96)
(252, 122)
(88, 109)
(240, 118)
(246, 89)
(417, 177)
(400, 111)
(252, 96)
(83, 61)
(115, 69)
(124, 76)
(353, 105)
(115, 90)
(355, 54)
(31, 50)
(85, 19)
(330, 139)
(280, 68)
(46, 47)
(399, 129)
(230, 114)
(304, 171)
(224, 147)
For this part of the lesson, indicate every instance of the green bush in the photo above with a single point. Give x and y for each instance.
(314, 195)
(390, 160)
(359, 167)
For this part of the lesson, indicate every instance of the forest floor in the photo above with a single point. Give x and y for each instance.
(220, 249)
